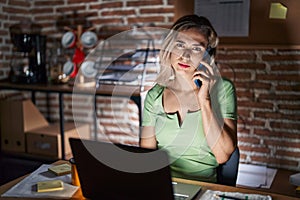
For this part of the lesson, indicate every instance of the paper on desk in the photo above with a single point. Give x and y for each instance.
(212, 195)
(255, 176)
(270, 177)
(252, 175)
(27, 187)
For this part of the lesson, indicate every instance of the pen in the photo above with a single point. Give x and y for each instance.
(223, 197)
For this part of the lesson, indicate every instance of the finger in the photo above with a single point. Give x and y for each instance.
(212, 70)
(202, 77)
(207, 67)
(201, 74)
(204, 72)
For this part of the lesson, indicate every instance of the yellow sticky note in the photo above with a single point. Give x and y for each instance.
(298, 189)
(49, 186)
(60, 169)
(277, 11)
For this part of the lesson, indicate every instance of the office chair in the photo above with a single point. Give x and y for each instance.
(227, 172)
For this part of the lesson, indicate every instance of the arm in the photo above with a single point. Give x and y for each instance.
(148, 139)
(221, 136)
(221, 133)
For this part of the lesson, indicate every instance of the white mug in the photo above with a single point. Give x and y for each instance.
(88, 39)
(69, 39)
(88, 69)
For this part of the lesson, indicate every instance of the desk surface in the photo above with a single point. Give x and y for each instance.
(281, 184)
(272, 192)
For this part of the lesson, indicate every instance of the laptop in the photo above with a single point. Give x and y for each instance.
(115, 171)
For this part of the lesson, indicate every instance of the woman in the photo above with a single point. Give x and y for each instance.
(191, 111)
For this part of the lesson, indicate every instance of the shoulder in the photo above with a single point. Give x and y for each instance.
(225, 84)
(155, 91)
(224, 88)
(153, 98)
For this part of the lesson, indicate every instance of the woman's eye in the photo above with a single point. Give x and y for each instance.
(198, 49)
(180, 45)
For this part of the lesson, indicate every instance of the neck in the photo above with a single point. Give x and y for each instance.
(181, 85)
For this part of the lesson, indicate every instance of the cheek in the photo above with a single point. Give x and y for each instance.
(173, 58)
(195, 61)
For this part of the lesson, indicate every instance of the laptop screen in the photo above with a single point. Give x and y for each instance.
(114, 171)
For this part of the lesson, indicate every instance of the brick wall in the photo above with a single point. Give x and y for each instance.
(266, 78)
(267, 83)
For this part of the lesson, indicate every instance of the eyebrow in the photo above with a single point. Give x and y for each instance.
(197, 44)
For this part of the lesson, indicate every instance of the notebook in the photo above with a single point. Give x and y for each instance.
(115, 171)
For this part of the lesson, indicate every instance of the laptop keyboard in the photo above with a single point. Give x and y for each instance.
(180, 197)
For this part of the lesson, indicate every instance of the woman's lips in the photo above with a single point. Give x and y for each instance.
(183, 65)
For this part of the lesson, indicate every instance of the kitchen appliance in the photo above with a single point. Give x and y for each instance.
(28, 61)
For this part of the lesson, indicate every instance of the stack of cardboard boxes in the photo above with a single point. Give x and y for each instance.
(25, 130)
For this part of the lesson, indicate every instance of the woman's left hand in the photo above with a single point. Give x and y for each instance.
(208, 77)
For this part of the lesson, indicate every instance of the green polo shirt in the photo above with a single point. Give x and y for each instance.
(190, 155)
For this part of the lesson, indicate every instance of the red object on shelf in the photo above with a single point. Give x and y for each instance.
(78, 58)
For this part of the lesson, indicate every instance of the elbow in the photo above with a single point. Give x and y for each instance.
(147, 144)
(148, 139)
(223, 157)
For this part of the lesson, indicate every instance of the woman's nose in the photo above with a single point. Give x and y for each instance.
(186, 54)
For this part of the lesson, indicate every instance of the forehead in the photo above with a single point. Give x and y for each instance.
(192, 36)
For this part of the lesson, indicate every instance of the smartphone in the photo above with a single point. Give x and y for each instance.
(198, 83)
(206, 58)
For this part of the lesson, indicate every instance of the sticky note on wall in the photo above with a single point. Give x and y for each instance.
(277, 11)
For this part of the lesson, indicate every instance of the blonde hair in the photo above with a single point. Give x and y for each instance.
(187, 22)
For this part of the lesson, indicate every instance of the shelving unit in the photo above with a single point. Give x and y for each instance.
(126, 67)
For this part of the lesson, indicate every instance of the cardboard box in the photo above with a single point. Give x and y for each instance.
(16, 118)
(46, 141)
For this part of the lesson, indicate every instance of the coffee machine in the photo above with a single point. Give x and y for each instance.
(28, 62)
